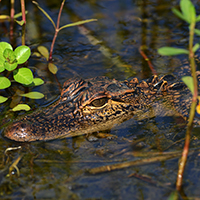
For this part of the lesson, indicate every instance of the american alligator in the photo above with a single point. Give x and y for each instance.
(96, 104)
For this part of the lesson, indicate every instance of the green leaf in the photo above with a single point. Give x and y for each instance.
(23, 75)
(188, 10)
(178, 14)
(173, 196)
(198, 18)
(3, 99)
(77, 23)
(38, 81)
(45, 13)
(21, 23)
(22, 54)
(52, 68)
(2, 68)
(19, 14)
(170, 51)
(4, 18)
(21, 107)
(4, 82)
(9, 55)
(36, 54)
(197, 31)
(43, 51)
(33, 95)
(188, 80)
(3, 46)
(10, 66)
(195, 47)
(192, 13)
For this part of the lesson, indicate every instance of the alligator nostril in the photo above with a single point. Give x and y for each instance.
(18, 131)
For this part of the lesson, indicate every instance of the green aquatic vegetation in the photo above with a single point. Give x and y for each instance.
(13, 18)
(10, 60)
(188, 14)
(4, 18)
(43, 51)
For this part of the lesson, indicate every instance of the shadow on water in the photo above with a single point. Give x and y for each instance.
(60, 169)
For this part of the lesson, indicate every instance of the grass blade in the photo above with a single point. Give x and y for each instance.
(45, 13)
(171, 51)
(77, 23)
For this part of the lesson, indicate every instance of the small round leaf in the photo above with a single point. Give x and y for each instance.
(23, 75)
(38, 81)
(9, 55)
(43, 51)
(4, 82)
(21, 107)
(10, 66)
(3, 46)
(37, 54)
(52, 68)
(22, 54)
(2, 68)
(3, 99)
(33, 95)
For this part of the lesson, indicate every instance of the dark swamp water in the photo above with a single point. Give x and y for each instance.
(58, 169)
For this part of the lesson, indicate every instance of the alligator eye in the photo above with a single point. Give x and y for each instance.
(99, 102)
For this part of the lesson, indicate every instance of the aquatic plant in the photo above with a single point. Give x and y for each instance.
(42, 50)
(188, 14)
(13, 61)
(10, 61)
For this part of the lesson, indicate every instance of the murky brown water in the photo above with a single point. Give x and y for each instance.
(58, 169)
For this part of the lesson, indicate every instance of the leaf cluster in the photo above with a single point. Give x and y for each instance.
(10, 60)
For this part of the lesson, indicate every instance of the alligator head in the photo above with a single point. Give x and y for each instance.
(88, 106)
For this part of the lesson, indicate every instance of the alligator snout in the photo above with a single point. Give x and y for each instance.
(19, 131)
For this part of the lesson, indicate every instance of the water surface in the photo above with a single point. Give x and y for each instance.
(58, 169)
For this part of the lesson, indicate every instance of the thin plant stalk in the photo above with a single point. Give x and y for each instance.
(57, 28)
(148, 61)
(12, 13)
(24, 21)
(183, 159)
(56, 31)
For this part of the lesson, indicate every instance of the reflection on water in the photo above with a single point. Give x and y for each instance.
(58, 169)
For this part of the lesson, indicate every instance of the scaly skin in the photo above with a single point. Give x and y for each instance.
(92, 105)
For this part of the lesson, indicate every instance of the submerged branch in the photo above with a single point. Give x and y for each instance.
(144, 161)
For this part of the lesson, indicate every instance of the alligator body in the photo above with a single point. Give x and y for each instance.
(96, 104)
